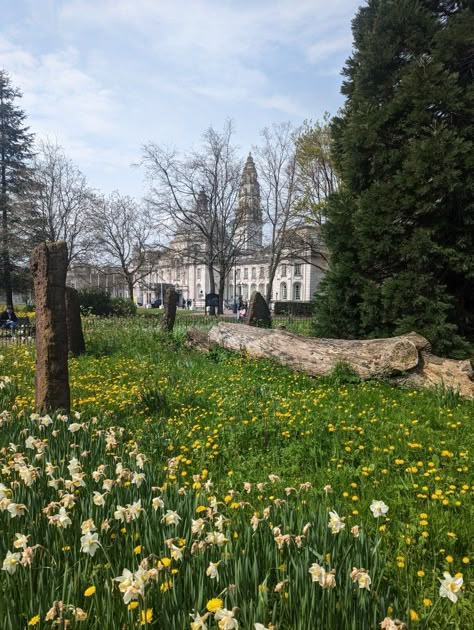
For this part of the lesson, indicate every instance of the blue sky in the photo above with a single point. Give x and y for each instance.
(103, 77)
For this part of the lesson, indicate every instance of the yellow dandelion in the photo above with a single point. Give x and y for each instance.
(146, 616)
(34, 620)
(214, 604)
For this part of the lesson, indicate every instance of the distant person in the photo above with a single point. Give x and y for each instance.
(8, 318)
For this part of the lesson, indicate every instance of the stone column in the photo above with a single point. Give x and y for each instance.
(75, 336)
(48, 267)
(259, 314)
(169, 312)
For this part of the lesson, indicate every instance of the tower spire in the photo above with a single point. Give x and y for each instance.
(249, 213)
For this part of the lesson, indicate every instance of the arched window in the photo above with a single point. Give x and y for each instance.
(261, 288)
(283, 291)
(297, 291)
(245, 291)
(253, 288)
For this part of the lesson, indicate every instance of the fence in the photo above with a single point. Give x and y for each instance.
(23, 334)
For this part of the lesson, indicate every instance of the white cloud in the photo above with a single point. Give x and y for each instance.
(327, 46)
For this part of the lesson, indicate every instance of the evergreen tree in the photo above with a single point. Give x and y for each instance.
(401, 229)
(15, 151)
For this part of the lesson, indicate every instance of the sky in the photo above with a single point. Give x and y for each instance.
(104, 77)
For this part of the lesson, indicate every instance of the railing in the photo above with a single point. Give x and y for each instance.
(22, 334)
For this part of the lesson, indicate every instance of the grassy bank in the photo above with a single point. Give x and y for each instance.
(256, 453)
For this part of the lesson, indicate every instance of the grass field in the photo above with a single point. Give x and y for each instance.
(194, 491)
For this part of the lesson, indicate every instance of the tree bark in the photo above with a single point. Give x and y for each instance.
(408, 355)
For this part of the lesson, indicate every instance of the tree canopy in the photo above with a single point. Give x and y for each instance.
(401, 228)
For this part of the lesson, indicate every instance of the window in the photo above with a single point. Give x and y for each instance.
(283, 291)
(254, 273)
(283, 271)
(246, 273)
(298, 269)
(198, 273)
(297, 291)
(238, 274)
(262, 272)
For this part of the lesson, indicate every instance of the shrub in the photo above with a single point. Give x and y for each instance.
(123, 307)
(95, 302)
(293, 308)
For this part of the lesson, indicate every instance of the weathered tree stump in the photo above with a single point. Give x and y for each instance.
(406, 358)
(259, 314)
(169, 311)
(48, 267)
(75, 336)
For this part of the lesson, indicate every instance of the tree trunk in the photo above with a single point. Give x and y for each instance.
(371, 358)
(220, 309)
(212, 286)
(130, 287)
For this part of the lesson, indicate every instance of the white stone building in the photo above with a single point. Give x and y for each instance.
(297, 277)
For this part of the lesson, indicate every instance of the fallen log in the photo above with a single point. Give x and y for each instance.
(407, 355)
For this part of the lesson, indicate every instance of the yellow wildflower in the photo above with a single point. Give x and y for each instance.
(89, 591)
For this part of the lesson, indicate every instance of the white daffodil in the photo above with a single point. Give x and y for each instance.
(120, 513)
(157, 502)
(98, 498)
(226, 619)
(21, 541)
(197, 526)
(317, 572)
(450, 587)
(198, 622)
(378, 508)
(138, 479)
(11, 561)
(16, 509)
(212, 571)
(336, 524)
(171, 518)
(135, 509)
(90, 543)
(74, 426)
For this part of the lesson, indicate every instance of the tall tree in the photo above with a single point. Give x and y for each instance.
(61, 201)
(125, 237)
(401, 229)
(15, 151)
(195, 194)
(277, 168)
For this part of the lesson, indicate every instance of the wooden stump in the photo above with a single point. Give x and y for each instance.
(48, 267)
(169, 311)
(75, 336)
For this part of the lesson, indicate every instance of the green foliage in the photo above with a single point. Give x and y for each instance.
(401, 229)
(232, 421)
(95, 302)
(15, 152)
(123, 307)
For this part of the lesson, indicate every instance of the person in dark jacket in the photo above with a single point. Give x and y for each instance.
(8, 319)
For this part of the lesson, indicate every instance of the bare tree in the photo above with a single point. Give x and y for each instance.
(196, 194)
(125, 236)
(277, 167)
(61, 201)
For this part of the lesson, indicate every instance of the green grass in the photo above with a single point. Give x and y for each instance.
(230, 420)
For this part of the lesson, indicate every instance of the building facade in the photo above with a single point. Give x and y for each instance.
(297, 277)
